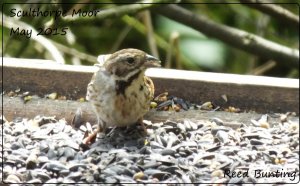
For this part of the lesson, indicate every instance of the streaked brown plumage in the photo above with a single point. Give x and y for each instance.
(119, 91)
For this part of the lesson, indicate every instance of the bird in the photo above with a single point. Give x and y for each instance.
(119, 91)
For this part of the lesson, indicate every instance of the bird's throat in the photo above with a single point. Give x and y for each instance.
(121, 85)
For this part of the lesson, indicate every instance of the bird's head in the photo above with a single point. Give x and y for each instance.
(128, 62)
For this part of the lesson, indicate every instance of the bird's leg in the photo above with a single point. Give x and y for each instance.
(112, 131)
(98, 129)
(101, 125)
(141, 122)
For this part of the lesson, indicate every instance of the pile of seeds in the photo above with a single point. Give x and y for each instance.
(47, 150)
(166, 102)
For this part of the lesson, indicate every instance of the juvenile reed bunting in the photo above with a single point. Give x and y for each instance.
(119, 91)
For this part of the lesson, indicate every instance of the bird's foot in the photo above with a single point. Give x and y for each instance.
(144, 129)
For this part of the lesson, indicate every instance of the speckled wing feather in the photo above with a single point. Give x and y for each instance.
(150, 86)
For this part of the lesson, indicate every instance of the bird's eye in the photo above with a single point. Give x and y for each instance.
(130, 60)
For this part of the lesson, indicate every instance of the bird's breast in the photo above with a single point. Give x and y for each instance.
(133, 104)
(121, 108)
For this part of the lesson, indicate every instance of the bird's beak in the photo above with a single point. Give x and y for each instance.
(152, 61)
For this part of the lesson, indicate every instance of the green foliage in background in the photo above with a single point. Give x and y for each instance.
(195, 50)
